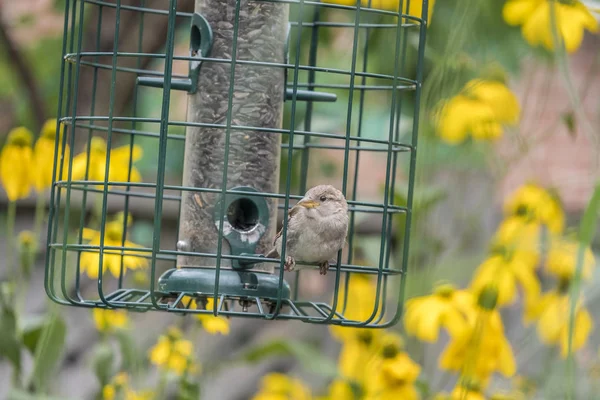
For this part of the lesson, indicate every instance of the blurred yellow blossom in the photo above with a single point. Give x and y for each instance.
(340, 390)
(446, 307)
(467, 389)
(415, 8)
(534, 17)
(16, 164)
(360, 305)
(119, 389)
(110, 320)
(173, 353)
(562, 259)
(276, 386)
(482, 348)
(355, 354)
(210, 323)
(112, 259)
(535, 204)
(392, 377)
(551, 311)
(43, 156)
(505, 271)
(519, 237)
(119, 163)
(479, 110)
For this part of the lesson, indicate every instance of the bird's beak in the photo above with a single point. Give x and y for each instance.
(306, 203)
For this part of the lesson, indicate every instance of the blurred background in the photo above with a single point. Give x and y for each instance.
(508, 128)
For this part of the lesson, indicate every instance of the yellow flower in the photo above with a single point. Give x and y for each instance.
(467, 389)
(391, 377)
(572, 19)
(119, 163)
(110, 320)
(340, 390)
(43, 156)
(551, 311)
(562, 260)
(479, 110)
(354, 355)
(276, 386)
(360, 306)
(16, 164)
(415, 9)
(482, 348)
(446, 307)
(504, 271)
(535, 204)
(210, 323)
(112, 259)
(517, 236)
(173, 353)
(120, 385)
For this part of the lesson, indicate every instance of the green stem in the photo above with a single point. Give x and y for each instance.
(11, 216)
(159, 393)
(40, 213)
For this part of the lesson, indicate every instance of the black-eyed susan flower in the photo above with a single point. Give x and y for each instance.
(340, 389)
(465, 389)
(110, 320)
(120, 160)
(535, 204)
(16, 164)
(276, 386)
(572, 19)
(355, 354)
(119, 388)
(43, 155)
(505, 271)
(173, 353)
(480, 110)
(551, 311)
(562, 259)
(210, 323)
(446, 307)
(391, 375)
(112, 259)
(481, 349)
(518, 236)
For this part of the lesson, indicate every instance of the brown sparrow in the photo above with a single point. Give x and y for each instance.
(316, 229)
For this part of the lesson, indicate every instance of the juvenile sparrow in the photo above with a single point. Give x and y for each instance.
(316, 230)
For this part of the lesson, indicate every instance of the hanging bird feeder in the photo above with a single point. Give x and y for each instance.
(247, 61)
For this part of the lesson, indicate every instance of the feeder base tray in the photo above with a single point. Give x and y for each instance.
(231, 283)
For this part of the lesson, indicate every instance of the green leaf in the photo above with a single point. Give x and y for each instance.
(590, 217)
(131, 360)
(48, 351)
(310, 357)
(103, 361)
(31, 331)
(188, 390)
(10, 347)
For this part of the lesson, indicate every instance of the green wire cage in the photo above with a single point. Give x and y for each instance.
(254, 83)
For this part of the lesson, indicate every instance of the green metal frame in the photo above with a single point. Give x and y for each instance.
(275, 299)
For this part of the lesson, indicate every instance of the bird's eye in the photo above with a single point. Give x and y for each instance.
(323, 198)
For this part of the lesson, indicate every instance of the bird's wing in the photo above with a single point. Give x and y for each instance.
(293, 211)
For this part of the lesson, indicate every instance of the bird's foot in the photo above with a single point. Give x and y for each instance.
(289, 264)
(323, 267)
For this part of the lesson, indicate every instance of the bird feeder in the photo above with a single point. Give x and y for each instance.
(249, 63)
